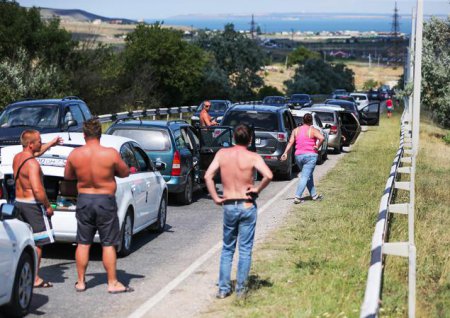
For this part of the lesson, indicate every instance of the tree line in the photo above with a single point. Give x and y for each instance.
(156, 67)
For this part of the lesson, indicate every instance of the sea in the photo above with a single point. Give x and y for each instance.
(296, 23)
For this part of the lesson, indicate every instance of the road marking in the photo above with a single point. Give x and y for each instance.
(150, 303)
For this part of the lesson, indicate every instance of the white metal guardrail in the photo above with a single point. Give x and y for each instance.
(404, 164)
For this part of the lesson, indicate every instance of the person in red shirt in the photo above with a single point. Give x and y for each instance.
(389, 107)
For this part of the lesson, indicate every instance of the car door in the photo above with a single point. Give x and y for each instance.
(212, 139)
(153, 190)
(195, 150)
(182, 145)
(350, 127)
(6, 258)
(370, 114)
(135, 183)
(77, 115)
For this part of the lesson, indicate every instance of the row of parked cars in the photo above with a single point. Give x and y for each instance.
(167, 157)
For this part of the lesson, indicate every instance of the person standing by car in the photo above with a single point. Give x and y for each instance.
(389, 107)
(94, 167)
(205, 118)
(236, 166)
(31, 200)
(307, 143)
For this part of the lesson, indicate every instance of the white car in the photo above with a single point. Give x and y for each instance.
(141, 197)
(18, 264)
(317, 123)
(361, 99)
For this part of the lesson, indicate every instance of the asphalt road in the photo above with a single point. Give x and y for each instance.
(155, 261)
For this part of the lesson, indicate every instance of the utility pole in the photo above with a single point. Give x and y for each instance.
(252, 27)
(396, 50)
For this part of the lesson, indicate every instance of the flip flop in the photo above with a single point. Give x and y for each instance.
(80, 290)
(127, 289)
(43, 284)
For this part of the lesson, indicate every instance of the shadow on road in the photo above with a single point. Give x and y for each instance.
(37, 302)
(95, 279)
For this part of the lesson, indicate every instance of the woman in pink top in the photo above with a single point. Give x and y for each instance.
(307, 143)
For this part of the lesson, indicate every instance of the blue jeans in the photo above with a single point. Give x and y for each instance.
(238, 222)
(306, 163)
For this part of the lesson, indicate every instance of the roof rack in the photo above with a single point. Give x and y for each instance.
(179, 121)
(70, 97)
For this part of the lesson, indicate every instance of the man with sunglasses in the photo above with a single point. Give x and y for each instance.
(205, 118)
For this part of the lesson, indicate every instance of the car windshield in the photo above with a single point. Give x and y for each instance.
(359, 97)
(265, 120)
(42, 116)
(326, 117)
(300, 97)
(346, 106)
(274, 100)
(150, 140)
(298, 120)
(215, 107)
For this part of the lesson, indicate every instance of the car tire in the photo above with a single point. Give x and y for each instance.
(160, 225)
(319, 159)
(185, 197)
(288, 174)
(337, 150)
(23, 288)
(126, 236)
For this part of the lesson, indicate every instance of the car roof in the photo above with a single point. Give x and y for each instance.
(302, 112)
(77, 139)
(326, 108)
(150, 123)
(338, 101)
(37, 102)
(258, 107)
(298, 95)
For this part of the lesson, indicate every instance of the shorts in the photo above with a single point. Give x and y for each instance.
(36, 216)
(97, 212)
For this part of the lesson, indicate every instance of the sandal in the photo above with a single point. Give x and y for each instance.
(43, 284)
(80, 290)
(127, 289)
(317, 197)
(298, 200)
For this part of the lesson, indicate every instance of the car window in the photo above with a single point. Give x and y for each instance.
(86, 112)
(180, 142)
(266, 120)
(76, 114)
(193, 136)
(185, 135)
(128, 156)
(326, 117)
(149, 139)
(318, 121)
(142, 159)
(298, 120)
(42, 116)
(347, 119)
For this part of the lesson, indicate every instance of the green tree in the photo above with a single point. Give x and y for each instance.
(435, 69)
(24, 28)
(159, 60)
(319, 77)
(370, 84)
(238, 57)
(300, 55)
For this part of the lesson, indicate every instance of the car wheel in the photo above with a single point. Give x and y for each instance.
(23, 288)
(160, 225)
(337, 150)
(288, 174)
(126, 236)
(185, 197)
(319, 159)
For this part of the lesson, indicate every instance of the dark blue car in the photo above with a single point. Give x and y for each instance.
(298, 101)
(217, 110)
(275, 101)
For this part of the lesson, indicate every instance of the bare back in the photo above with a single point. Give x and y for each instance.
(237, 166)
(29, 171)
(95, 167)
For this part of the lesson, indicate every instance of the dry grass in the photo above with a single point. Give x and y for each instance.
(382, 74)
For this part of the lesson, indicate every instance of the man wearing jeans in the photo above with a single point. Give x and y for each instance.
(237, 166)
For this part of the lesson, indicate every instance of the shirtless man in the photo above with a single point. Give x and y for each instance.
(31, 200)
(237, 166)
(94, 167)
(205, 118)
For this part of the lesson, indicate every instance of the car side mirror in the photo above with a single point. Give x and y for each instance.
(159, 165)
(327, 126)
(7, 211)
(72, 123)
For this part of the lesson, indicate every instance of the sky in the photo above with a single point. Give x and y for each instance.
(159, 9)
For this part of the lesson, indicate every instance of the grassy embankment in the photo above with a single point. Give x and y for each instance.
(316, 264)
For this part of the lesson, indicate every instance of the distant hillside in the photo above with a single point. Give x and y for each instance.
(76, 15)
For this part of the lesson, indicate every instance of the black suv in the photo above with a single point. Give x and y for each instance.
(273, 126)
(44, 115)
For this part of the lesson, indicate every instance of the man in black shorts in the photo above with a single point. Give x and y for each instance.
(31, 200)
(94, 167)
